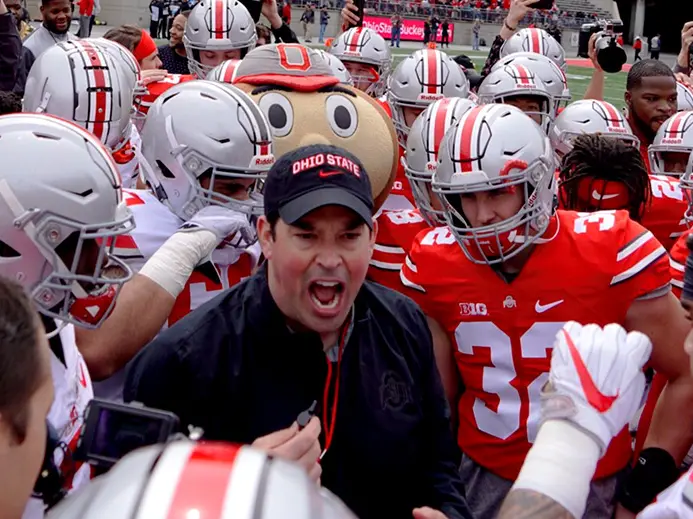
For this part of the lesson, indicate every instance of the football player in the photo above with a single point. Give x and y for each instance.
(519, 86)
(92, 83)
(604, 173)
(60, 206)
(397, 229)
(206, 148)
(537, 41)
(217, 30)
(672, 146)
(367, 57)
(503, 278)
(420, 79)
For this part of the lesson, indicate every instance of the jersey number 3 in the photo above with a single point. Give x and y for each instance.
(535, 343)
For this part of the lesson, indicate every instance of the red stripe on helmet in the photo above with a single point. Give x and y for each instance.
(535, 41)
(218, 10)
(466, 136)
(98, 94)
(354, 39)
(432, 79)
(439, 118)
(614, 116)
(203, 482)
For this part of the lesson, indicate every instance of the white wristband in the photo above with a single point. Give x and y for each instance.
(560, 465)
(171, 266)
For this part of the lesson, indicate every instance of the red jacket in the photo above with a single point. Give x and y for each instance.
(86, 7)
(286, 13)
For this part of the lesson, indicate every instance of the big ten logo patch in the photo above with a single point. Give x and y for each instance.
(473, 309)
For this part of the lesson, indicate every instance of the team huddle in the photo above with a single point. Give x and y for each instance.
(512, 211)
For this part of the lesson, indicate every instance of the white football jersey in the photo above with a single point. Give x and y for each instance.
(73, 391)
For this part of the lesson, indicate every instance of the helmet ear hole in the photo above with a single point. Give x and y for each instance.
(8, 252)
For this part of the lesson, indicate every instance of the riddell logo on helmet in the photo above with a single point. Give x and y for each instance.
(430, 97)
(431, 166)
(263, 160)
(672, 141)
(529, 86)
(613, 129)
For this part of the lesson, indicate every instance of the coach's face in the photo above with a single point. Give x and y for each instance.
(317, 266)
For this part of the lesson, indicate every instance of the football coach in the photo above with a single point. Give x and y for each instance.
(308, 336)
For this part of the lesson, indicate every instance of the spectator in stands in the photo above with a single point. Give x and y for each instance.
(655, 46)
(324, 18)
(637, 48)
(10, 49)
(163, 21)
(10, 103)
(307, 19)
(57, 16)
(444, 34)
(264, 34)
(396, 30)
(26, 395)
(173, 55)
(476, 31)
(286, 12)
(435, 23)
(15, 7)
(138, 42)
(154, 16)
(426, 32)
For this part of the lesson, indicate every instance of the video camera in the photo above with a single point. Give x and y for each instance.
(610, 55)
(110, 431)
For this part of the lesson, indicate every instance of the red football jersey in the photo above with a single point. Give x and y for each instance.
(590, 272)
(664, 214)
(396, 232)
(154, 90)
(677, 263)
(401, 196)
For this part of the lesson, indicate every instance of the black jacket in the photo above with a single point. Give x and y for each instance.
(233, 368)
(10, 51)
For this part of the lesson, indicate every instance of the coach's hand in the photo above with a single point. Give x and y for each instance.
(428, 513)
(518, 10)
(686, 42)
(302, 447)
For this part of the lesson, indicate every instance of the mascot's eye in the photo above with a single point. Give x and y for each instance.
(279, 112)
(342, 116)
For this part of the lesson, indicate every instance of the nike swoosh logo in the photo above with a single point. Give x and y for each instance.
(595, 398)
(597, 196)
(325, 174)
(540, 309)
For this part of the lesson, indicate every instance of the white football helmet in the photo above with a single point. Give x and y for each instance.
(420, 79)
(510, 81)
(179, 478)
(424, 141)
(200, 134)
(685, 96)
(89, 82)
(61, 208)
(338, 69)
(496, 147)
(537, 41)
(589, 116)
(217, 25)
(546, 69)
(366, 47)
(224, 71)
(675, 135)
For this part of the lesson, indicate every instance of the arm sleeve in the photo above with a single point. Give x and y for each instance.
(493, 56)
(441, 471)
(10, 51)
(25, 64)
(285, 34)
(642, 263)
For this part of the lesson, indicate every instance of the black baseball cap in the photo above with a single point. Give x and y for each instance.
(311, 177)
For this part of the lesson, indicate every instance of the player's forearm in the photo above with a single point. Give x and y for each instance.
(528, 504)
(447, 369)
(671, 428)
(141, 310)
(595, 89)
